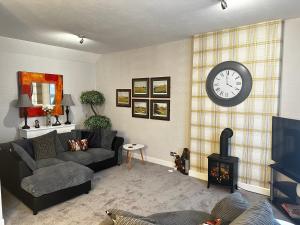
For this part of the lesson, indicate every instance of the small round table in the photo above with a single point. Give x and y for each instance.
(130, 148)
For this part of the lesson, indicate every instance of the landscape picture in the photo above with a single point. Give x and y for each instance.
(160, 109)
(140, 87)
(160, 87)
(140, 108)
(123, 97)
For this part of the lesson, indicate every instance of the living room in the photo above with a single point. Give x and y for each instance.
(111, 46)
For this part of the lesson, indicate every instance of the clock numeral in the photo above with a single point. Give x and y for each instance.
(227, 72)
(218, 89)
(238, 83)
(237, 89)
(233, 93)
(226, 95)
(221, 93)
(222, 74)
(237, 78)
(216, 84)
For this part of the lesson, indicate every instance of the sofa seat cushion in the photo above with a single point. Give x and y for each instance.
(48, 162)
(100, 154)
(80, 157)
(57, 177)
(188, 217)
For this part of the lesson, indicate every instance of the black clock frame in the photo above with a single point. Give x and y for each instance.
(246, 87)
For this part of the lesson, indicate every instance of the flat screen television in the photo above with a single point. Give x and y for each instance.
(286, 143)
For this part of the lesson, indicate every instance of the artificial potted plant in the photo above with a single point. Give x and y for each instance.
(95, 98)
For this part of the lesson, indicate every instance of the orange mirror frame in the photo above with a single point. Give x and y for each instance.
(25, 80)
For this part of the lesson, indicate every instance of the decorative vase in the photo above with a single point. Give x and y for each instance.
(48, 120)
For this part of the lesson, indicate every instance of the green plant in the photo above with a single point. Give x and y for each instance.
(94, 98)
(97, 121)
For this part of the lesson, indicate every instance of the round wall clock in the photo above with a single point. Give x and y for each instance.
(229, 83)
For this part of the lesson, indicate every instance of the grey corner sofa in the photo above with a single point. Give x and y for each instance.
(41, 183)
(232, 210)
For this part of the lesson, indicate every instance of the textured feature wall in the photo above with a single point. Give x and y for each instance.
(117, 70)
(258, 47)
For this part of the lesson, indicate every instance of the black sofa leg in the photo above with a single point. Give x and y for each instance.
(35, 212)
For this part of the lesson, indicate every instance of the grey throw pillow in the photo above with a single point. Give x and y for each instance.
(44, 146)
(258, 214)
(230, 208)
(25, 156)
(107, 137)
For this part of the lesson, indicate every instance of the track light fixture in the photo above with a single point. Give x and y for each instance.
(223, 4)
(81, 38)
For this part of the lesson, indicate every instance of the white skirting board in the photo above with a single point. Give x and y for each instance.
(247, 187)
(203, 176)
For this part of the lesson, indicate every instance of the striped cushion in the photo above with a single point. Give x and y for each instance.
(230, 208)
(113, 213)
(258, 214)
(124, 220)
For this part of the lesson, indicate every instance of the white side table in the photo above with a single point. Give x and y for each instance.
(130, 148)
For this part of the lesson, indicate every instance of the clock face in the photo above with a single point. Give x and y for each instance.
(227, 84)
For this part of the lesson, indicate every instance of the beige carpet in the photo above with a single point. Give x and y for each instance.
(144, 190)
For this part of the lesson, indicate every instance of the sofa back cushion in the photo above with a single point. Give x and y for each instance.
(94, 138)
(45, 146)
(24, 156)
(258, 214)
(26, 144)
(64, 138)
(107, 137)
(230, 208)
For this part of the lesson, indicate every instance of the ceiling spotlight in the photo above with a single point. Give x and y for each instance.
(223, 4)
(81, 38)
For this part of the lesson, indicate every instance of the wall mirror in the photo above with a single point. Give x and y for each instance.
(42, 94)
(43, 89)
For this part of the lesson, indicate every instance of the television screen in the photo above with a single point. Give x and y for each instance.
(286, 143)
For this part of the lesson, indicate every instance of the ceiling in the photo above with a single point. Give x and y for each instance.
(116, 25)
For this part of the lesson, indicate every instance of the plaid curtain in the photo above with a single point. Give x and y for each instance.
(258, 47)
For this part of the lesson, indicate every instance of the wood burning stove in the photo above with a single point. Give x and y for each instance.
(223, 169)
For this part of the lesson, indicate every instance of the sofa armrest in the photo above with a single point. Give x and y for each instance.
(13, 168)
(117, 148)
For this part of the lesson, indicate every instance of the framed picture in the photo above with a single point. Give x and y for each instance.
(123, 97)
(140, 87)
(140, 108)
(160, 87)
(160, 109)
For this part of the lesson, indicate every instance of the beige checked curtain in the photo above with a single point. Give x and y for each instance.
(258, 47)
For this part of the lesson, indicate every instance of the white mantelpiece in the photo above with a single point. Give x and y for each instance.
(35, 132)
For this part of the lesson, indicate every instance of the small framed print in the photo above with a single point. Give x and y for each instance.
(160, 87)
(123, 98)
(140, 87)
(140, 108)
(160, 109)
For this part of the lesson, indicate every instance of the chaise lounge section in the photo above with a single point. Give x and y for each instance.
(42, 182)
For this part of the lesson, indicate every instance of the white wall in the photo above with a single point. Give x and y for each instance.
(116, 70)
(290, 91)
(78, 70)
